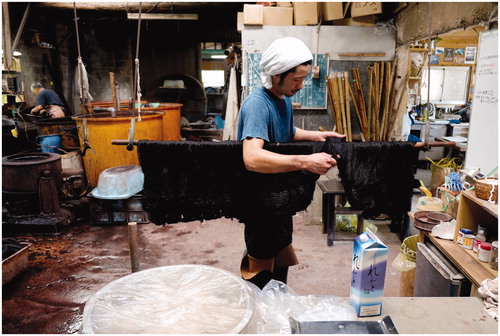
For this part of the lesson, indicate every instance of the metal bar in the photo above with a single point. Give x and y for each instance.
(161, 16)
(418, 144)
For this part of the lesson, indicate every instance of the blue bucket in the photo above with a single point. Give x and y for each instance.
(50, 143)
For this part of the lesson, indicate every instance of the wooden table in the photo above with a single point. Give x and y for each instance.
(437, 315)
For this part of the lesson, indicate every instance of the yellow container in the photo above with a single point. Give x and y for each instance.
(426, 204)
(101, 128)
(171, 119)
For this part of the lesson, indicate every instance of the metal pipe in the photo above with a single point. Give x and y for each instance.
(417, 144)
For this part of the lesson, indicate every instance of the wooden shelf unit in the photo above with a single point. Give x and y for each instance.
(472, 211)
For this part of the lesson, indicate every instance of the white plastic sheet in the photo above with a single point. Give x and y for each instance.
(277, 302)
(180, 299)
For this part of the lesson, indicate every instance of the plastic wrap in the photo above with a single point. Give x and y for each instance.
(277, 302)
(180, 299)
(444, 230)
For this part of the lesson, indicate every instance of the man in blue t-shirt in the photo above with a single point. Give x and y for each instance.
(267, 116)
(47, 101)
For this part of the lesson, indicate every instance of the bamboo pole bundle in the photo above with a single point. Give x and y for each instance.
(359, 103)
(333, 91)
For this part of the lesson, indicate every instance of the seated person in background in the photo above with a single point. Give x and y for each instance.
(47, 101)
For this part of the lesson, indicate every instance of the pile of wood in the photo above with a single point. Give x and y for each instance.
(376, 113)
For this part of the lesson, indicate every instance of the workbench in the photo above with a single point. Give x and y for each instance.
(437, 315)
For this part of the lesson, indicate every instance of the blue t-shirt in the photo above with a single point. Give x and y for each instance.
(48, 97)
(265, 116)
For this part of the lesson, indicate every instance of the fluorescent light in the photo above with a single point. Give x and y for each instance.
(17, 53)
(161, 16)
(219, 56)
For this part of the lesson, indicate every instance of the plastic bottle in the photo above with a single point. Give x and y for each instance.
(480, 237)
(484, 252)
(494, 255)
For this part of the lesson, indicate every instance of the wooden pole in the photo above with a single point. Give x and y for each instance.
(338, 112)
(134, 246)
(112, 83)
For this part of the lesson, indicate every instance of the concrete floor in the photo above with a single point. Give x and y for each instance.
(65, 270)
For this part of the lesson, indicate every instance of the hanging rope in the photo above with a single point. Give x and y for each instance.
(136, 84)
(85, 96)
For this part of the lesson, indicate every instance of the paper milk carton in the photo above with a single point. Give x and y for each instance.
(369, 263)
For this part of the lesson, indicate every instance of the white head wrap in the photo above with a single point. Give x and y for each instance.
(282, 55)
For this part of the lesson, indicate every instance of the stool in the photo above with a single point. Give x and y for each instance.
(331, 189)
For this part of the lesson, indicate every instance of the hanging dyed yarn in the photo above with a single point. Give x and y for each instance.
(187, 180)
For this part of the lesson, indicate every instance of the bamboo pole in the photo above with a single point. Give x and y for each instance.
(342, 103)
(369, 70)
(333, 102)
(361, 101)
(391, 114)
(386, 95)
(358, 114)
(338, 115)
(375, 107)
(347, 105)
(398, 105)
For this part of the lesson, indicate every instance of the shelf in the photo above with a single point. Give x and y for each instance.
(465, 260)
(492, 209)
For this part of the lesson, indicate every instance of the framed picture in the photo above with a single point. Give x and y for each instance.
(470, 55)
(460, 51)
(434, 59)
(448, 54)
(439, 50)
(458, 59)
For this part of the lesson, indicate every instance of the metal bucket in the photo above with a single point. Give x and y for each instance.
(66, 127)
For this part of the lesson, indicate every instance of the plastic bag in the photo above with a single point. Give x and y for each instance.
(277, 302)
(444, 230)
(346, 223)
(406, 259)
(440, 170)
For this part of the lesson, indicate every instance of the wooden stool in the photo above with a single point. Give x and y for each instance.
(331, 189)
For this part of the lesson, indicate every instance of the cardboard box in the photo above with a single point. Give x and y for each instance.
(278, 16)
(239, 21)
(332, 11)
(253, 14)
(365, 8)
(284, 4)
(369, 264)
(305, 13)
(363, 21)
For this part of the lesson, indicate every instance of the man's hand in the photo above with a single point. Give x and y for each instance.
(319, 163)
(303, 135)
(323, 135)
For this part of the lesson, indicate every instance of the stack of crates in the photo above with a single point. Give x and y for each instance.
(103, 211)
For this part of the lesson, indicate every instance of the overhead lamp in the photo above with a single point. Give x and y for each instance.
(17, 53)
(162, 16)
